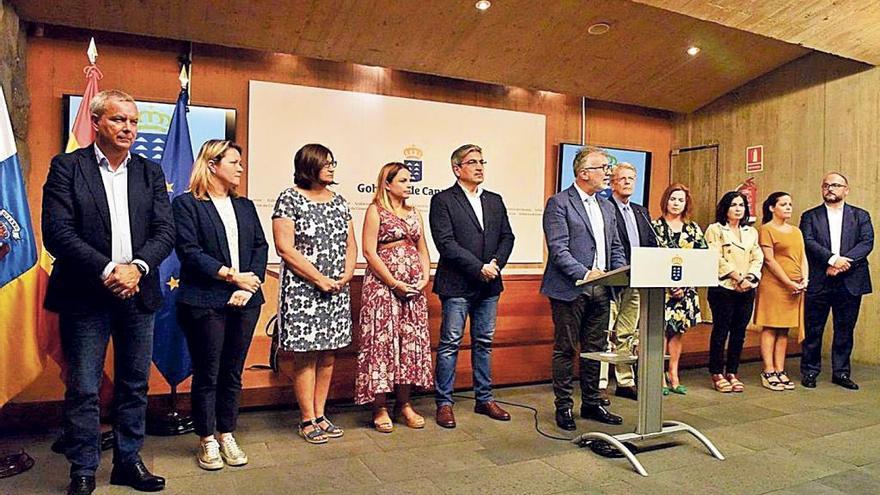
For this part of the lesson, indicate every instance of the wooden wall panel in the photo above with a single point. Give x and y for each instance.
(815, 114)
(148, 70)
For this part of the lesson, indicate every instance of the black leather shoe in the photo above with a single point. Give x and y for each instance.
(137, 476)
(627, 392)
(809, 381)
(845, 382)
(600, 414)
(81, 485)
(565, 419)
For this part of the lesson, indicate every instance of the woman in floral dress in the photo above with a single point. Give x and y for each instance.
(395, 347)
(315, 238)
(675, 230)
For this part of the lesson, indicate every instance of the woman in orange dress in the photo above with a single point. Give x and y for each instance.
(779, 304)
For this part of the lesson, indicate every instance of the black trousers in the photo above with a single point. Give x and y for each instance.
(731, 312)
(218, 341)
(845, 313)
(579, 323)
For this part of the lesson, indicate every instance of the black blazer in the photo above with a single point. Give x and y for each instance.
(856, 243)
(76, 230)
(647, 237)
(202, 249)
(464, 246)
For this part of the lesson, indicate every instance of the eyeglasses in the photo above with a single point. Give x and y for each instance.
(472, 162)
(833, 185)
(604, 168)
(330, 164)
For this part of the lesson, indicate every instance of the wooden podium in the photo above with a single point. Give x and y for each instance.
(652, 271)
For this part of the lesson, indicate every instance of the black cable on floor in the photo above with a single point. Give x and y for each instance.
(523, 406)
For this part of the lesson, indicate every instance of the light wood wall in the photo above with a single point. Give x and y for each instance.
(815, 114)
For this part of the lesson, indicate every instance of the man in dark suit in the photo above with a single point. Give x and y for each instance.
(838, 238)
(107, 221)
(582, 243)
(634, 229)
(473, 235)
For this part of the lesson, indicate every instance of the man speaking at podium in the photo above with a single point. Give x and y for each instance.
(582, 243)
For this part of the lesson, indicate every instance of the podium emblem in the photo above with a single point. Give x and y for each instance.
(413, 161)
(676, 269)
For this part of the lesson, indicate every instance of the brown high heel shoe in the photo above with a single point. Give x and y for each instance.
(381, 421)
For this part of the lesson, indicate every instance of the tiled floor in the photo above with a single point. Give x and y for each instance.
(822, 441)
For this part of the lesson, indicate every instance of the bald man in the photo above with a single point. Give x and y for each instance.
(838, 237)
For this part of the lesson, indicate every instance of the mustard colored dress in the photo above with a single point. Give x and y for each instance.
(775, 305)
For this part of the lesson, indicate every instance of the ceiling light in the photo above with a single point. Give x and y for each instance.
(483, 5)
(692, 51)
(599, 28)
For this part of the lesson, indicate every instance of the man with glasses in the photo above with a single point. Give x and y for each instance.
(582, 243)
(473, 236)
(838, 238)
(634, 230)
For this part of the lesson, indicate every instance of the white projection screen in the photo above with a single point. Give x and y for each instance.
(365, 131)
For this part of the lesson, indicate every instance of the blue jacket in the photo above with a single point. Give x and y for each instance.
(856, 243)
(202, 249)
(571, 247)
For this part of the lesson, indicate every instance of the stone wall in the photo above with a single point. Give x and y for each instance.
(13, 76)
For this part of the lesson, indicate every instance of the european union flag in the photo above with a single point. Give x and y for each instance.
(169, 344)
(18, 250)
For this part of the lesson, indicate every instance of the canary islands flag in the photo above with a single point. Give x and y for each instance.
(20, 361)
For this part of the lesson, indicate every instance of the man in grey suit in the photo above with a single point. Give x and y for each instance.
(582, 243)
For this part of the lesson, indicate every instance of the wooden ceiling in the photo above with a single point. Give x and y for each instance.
(849, 28)
(542, 45)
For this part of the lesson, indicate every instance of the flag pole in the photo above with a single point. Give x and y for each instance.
(174, 423)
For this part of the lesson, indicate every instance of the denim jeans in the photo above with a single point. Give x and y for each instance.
(84, 338)
(482, 313)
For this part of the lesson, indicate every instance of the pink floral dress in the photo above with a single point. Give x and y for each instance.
(395, 347)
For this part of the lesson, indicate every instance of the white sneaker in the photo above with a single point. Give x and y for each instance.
(209, 455)
(231, 452)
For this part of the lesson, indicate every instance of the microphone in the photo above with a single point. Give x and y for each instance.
(651, 227)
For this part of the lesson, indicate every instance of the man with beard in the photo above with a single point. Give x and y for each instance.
(838, 238)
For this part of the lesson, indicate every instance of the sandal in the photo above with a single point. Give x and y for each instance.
(381, 421)
(330, 430)
(772, 382)
(316, 435)
(679, 389)
(721, 384)
(665, 390)
(413, 420)
(735, 384)
(784, 380)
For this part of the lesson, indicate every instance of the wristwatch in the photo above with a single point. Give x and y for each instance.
(141, 268)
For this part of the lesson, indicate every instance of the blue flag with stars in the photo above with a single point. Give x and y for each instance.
(169, 344)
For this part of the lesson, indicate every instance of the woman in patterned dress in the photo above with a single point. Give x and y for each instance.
(675, 230)
(395, 347)
(315, 238)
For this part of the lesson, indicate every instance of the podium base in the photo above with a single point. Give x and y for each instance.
(169, 425)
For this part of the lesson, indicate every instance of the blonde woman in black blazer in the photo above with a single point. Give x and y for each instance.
(222, 252)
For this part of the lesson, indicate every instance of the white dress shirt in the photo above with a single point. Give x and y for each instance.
(835, 226)
(597, 224)
(230, 225)
(474, 199)
(116, 190)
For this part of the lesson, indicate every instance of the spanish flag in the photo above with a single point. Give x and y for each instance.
(20, 304)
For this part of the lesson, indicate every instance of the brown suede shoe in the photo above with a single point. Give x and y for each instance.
(445, 416)
(491, 409)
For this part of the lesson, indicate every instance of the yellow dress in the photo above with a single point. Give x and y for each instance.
(775, 305)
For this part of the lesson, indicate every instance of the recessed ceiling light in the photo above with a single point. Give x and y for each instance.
(693, 50)
(599, 28)
(483, 5)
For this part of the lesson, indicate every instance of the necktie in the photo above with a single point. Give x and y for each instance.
(631, 230)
